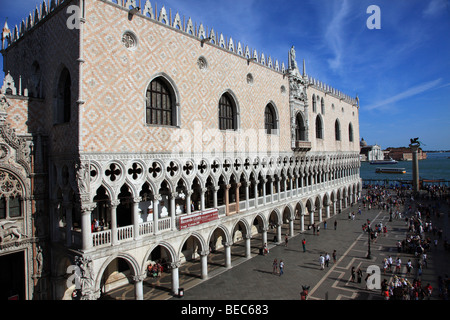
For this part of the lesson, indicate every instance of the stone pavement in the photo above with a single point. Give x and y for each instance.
(252, 279)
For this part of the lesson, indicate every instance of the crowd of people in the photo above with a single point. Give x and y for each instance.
(422, 237)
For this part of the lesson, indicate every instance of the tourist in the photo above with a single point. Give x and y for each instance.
(265, 249)
(334, 256)
(408, 267)
(398, 265)
(321, 262)
(335, 224)
(281, 267)
(304, 245)
(353, 274)
(275, 266)
(286, 240)
(359, 273)
(327, 259)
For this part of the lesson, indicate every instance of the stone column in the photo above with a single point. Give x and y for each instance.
(227, 199)
(156, 199)
(255, 192)
(334, 207)
(188, 201)
(238, 185)
(175, 278)
(264, 235)
(415, 167)
(204, 262)
(113, 213)
(291, 227)
(227, 246)
(202, 199)
(271, 189)
(278, 188)
(278, 232)
(302, 221)
(320, 214)
(173, 196)
(138, 287)
(248, 249)
(247, 203)
(86, 210)
(327, 210)
(311, 215)
(264, 191)
(68, 211)
(136, 217)
(215, 189)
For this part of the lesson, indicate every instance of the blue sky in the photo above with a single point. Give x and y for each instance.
(400, 72)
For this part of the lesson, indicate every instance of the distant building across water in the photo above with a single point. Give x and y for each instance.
(370, 152)
(374, 152)
(404, 153)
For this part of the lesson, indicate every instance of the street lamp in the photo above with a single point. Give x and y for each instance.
(369, 256)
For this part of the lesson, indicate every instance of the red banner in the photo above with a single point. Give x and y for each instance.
(190, 220)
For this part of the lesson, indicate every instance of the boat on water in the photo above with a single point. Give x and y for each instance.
(390, 170)
(386, 161)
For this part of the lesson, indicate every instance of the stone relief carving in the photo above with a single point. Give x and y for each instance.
(86, 276)
(9, 230)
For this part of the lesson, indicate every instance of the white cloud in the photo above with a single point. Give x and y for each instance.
(405, 94)
(435, 7)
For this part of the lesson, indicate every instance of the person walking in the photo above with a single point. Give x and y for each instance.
(327, 259)
(275, 266)
(281, 267)
(304, 245)
(334, 256)
(408, 267)
(335, 224)
(359, 273)
(286, 240)
(322, 262)
(318, 229)
(353, 274)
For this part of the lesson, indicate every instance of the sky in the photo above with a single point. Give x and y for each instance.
(400, 71)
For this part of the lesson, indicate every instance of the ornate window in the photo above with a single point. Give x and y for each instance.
(10, 196)
(227, 113)
(160, 106)
(337, 130)
(300, 129)
(270, 119)
(322, 106)
(64, 97)
(350, 132)
(319, 127)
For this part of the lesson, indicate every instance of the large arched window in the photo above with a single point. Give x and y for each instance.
(337, 130)
(270, 119)
(160, 103)
(300, 129)
(227, 113)
(64, 97)
(350, 132)
(319, 127)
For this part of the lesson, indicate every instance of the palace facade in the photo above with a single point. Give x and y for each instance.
(131, 135)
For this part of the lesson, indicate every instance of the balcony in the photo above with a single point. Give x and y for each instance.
(302, 145)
